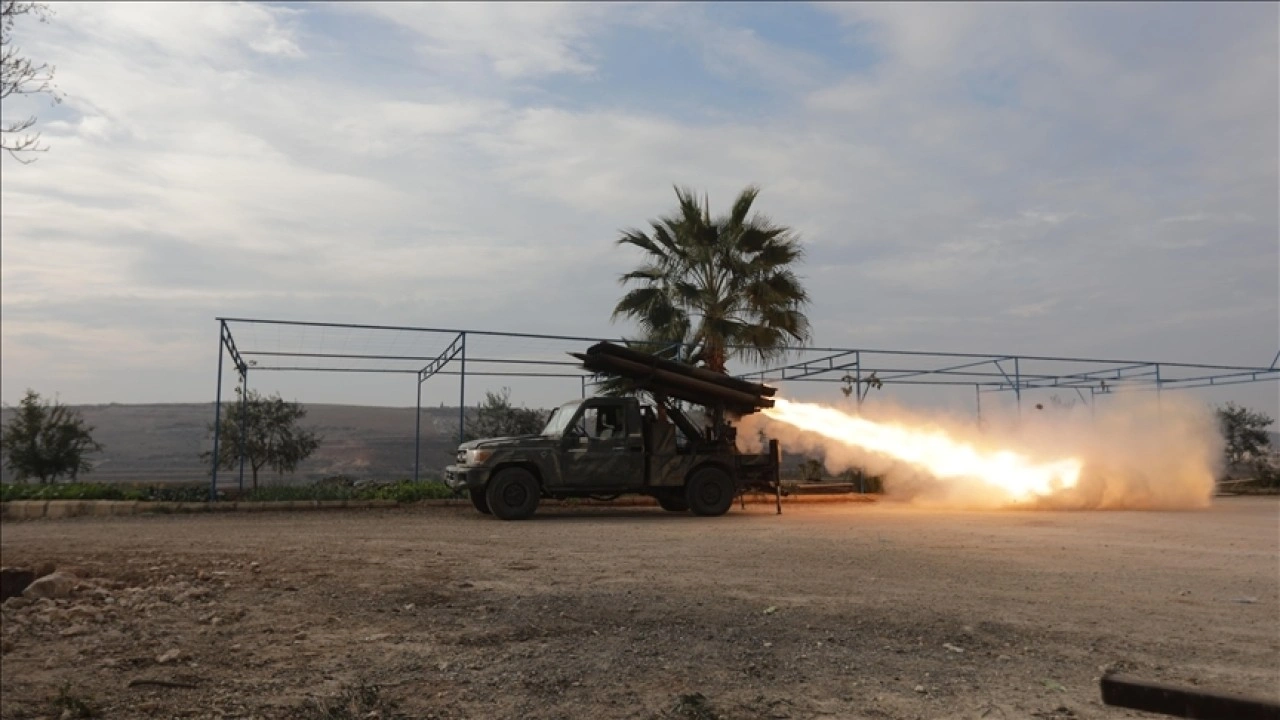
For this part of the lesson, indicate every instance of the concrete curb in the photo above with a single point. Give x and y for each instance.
(58, 509)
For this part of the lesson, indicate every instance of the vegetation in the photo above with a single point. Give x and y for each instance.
(724, 287)
(497, 417)
(402, 491)
(22, 76)
(47, 441)
(812, 470)
(1245, 432)
(270, 435)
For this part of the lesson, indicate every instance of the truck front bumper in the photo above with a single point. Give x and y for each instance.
(460, 477)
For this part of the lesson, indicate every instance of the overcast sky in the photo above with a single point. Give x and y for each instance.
(1087, 180)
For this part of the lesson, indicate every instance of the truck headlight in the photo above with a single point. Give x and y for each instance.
(478, 457)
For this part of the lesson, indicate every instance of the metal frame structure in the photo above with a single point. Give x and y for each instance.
(862, 368)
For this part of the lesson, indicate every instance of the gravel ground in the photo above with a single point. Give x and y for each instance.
(829, 611)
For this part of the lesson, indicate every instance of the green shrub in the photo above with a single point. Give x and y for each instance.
(402, 491)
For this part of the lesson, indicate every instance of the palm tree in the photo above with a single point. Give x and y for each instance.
(724, 287)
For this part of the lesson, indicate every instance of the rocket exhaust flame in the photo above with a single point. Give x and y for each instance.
(1020, 478)
(1136, 452)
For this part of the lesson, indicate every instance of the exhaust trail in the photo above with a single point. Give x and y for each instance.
(1131, 455)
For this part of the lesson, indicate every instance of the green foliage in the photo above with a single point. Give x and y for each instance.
(402, 491)
(46, 441)
(717, 283)
(812, 470)
(496, 417)
(1245, 433)
(271, 435)
(101, 491)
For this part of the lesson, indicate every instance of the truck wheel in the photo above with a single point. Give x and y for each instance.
(477, 499)
(512, 494)
(673, 502)
(710, 492)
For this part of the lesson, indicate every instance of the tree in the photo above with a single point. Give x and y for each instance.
(21, 76)
(46, 441)
(1245, 433)
(271, 435)
(725, 287)
(496, 417)
(812, 470)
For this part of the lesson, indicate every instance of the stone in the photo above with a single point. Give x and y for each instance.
(169, 656)
(55, 586)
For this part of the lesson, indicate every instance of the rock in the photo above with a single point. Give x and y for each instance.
(1246, 600)
(46, 568)
(255, 567)
(55, 586)
(169, 656)
(73, 631)
(13, 581)
(919, 688)
(953, 648)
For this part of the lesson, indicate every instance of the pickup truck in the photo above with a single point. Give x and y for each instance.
(604, 447)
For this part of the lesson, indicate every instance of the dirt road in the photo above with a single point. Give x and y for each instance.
(829, 611)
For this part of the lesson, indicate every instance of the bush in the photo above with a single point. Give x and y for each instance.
(402, 491)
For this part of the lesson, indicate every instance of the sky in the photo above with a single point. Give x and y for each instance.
(1095, 180)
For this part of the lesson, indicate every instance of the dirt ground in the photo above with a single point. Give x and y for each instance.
(829, 611)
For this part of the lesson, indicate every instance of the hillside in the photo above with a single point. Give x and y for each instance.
(162, 443)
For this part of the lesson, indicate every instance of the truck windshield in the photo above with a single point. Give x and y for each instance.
(559, 419)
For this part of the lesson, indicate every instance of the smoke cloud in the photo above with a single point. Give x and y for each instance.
(1138, 452)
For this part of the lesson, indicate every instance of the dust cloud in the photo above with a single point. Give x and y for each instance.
(1138, 453)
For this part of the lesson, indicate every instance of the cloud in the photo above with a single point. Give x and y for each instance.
(514, 40)
(1061, 179)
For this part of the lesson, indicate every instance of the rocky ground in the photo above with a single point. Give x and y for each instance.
(837, 611)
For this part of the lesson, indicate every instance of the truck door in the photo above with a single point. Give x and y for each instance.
(604, 448)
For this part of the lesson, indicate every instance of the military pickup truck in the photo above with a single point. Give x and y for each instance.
(604, 447)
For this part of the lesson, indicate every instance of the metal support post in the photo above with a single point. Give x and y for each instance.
(584, 386)
(217, 417)
(462, 391)
(244, 419)
(1017, 386)
(1159, 399)
(417, 431)
(857, 373)
(977, 394)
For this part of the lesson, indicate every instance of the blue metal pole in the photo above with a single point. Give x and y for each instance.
(1017, 386)
(857, 371)
(1159, 400)
(217, 417)
(417, 431)
(244, 430)
(977, 393)
(462, 392)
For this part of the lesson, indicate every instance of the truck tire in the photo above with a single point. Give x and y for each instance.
(512, 494)
(673, 502)
(478, 500)
(710, 492)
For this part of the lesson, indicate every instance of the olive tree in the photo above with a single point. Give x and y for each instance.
(268, 428)
(46, 440)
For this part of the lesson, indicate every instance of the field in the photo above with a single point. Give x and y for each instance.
(871, 610)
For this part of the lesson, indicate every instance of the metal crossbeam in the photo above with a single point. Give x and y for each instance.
(443, 359)
(230, 343)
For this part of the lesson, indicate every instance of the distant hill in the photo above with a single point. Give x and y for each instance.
(162, 443)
